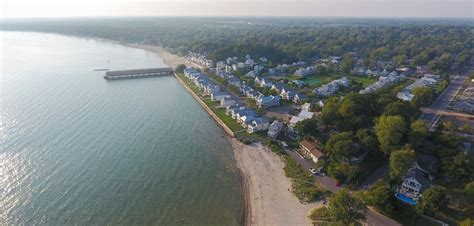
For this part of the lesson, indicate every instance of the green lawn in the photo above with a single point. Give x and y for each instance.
(315, 81)
(220, 112)
(366, 81)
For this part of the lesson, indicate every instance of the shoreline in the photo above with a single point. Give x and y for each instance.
(206, 108)
(266, 189)
(170, 59)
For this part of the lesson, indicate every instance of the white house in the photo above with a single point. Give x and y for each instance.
(305, 107)
(218, 96)
(303, 115)
(413, 184)
(257, 124)
(274, 129)
(227, 102)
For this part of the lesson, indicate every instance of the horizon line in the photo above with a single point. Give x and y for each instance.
(243, 16)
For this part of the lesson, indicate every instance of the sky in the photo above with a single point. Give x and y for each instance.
(317, 8)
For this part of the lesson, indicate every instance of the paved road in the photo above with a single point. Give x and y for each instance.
(444, 99)
(447, 113)
(373, 217)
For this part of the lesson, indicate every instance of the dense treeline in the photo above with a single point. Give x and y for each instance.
(282, 40)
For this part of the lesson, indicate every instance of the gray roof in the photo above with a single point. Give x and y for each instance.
(420, 177)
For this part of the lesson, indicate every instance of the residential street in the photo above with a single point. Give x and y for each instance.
(373, 217)
(443, 100)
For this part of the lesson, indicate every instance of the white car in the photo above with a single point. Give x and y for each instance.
(313, 171)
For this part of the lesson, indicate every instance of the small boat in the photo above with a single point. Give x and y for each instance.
(101, 69)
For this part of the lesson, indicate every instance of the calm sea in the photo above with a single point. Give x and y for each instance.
(77, 149)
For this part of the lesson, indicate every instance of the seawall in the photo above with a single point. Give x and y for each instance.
(204, 105)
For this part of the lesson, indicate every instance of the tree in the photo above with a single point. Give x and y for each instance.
(381, 197)
(418, 132)
(307, 127)
(461, 166)
(389, 130)
(321, 70)
(340, 145)
(469, 190)
(422, 96)
(463, 59)
(343, 171)
(366, 139)
(403, 108)
(347, 62)
(346, 209)
(180, 68)
(329, 114)
(434, 199)
(400, 59)
(400, 162)
(467, 222)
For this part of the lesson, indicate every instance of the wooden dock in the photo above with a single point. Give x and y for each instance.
(138, 73)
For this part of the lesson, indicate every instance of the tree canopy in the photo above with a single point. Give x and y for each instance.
(390, 130)
(400, 162)
(345, 208)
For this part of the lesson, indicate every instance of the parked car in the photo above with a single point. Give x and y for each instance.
(313, 171)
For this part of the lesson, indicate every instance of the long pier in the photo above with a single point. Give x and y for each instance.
(138, 73)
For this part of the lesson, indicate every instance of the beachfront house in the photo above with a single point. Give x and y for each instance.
(234, 111)
(258, 124)
(228, 102)
(245, 116)
(274, 129)
(311, 149)
(218, 96)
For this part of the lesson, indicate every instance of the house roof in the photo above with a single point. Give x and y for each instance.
(260, 120)
(316, 153)
(420, 177)
(305, 114)
(309, 144)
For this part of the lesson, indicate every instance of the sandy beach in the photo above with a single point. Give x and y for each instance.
(267, 196)
(269, 201)
(170, 59)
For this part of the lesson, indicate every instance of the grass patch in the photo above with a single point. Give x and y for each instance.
(318, 80)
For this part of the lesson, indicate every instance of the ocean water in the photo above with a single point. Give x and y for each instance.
(77, 149)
